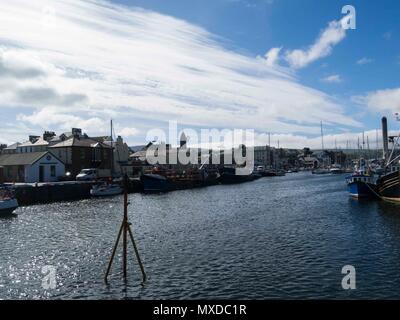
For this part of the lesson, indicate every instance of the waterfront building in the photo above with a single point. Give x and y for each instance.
(309, 162)
(265, 156)
(2, 147)
(31, 167)
(79, 152)
(120, 153)
(11, 149)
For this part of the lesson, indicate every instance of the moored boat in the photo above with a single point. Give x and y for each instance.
(362, 185)
(321, 171)
(8, 203)
(230, 176)
(154, 183)
(106, 190)
(388, 185)
(336, 171)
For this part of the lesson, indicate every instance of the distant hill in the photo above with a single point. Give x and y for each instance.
(136, 148)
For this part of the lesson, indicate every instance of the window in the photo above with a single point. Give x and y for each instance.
(53, 171)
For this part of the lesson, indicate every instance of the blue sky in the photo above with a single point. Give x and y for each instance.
(201, 63)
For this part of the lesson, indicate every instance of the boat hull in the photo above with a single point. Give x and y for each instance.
(389, 187)
(154, 183)
(361, 190)
(7, 207)
(229, 178)
(106, 191)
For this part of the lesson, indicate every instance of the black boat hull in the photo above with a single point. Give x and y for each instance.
(388, 186)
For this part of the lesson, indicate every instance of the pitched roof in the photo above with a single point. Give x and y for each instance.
(41, 142)
(21, 159)
(13, 146)
(26, 144)
(75, 142)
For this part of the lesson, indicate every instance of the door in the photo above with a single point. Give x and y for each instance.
(41, 173)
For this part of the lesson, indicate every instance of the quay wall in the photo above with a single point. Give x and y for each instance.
(28, 194)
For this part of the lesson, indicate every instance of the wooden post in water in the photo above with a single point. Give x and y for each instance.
(124, 230)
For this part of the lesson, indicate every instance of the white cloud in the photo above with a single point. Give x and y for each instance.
(322, 47)
(128, 132)
(98, 60)
(364, 61)
(334, 78)
(272, 57)
(54, 116)
(387, 100)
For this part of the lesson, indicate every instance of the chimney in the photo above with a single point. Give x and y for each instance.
(77, 132)
(33, 139)
(385, 139)
(47, 135)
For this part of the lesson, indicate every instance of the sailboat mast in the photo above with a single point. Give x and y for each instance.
(112, 148)
(322, 137)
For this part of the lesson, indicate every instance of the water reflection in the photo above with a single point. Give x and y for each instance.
(283, 237)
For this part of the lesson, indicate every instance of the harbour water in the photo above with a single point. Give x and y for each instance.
(282, 237)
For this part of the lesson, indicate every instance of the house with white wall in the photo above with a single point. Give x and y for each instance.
(31, 167)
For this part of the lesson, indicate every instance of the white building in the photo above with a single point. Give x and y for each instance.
(31, 167)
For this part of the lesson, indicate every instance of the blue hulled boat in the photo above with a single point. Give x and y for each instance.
(8, 202)
(154, 183)
(362, 184)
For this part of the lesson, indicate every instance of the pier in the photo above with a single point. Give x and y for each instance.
(36, 193)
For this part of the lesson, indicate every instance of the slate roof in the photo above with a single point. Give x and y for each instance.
(76, 142)
(21, 159)
(14, 146)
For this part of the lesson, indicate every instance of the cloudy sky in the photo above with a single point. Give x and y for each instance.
(278, 66)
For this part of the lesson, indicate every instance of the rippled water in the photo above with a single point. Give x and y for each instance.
(283, 237)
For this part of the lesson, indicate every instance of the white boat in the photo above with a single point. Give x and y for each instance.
(321, 171)
(106, 190)
(8, 203)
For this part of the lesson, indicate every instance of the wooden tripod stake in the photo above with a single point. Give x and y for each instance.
(124, 231)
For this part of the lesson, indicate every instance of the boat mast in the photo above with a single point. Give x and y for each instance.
(322, 145)
(112, 149)
(322, 137)
(376, 146)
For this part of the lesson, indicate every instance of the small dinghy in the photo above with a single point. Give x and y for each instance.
(106, 190)
(8, 203)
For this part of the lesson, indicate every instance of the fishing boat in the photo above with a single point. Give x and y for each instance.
(154, 183)
(106, 190)
(230, 176)
(388, 184)
(362, 184)
(8, 202)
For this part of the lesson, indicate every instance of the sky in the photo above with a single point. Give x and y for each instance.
(274, 66)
